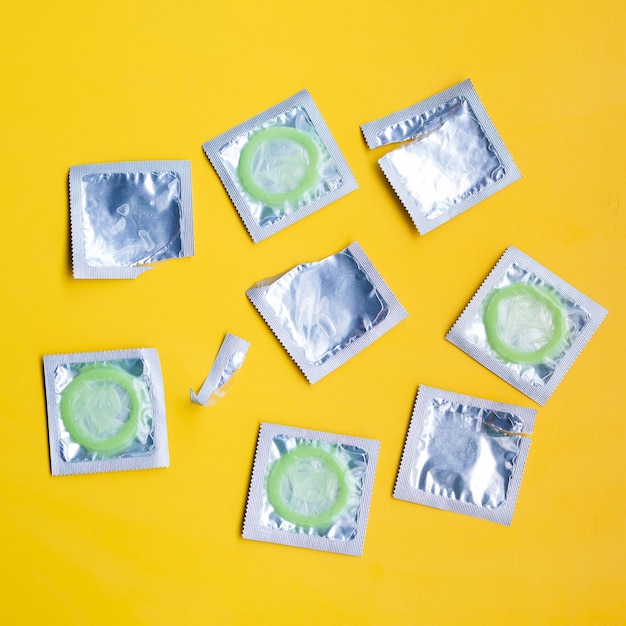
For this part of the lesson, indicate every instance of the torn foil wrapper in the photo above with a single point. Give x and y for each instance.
(464, 454)
(526, 325)
(311, 489)
(452, 157)
(126, 216)
(106, 411)
(327, 311)
(224, 370)
(280, 166)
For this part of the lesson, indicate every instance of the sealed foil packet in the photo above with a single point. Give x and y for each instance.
(325, 312)
(280, 166)
(228, 362)
(311, 489)
(452, 159)
(126, 216)
(526, 325)
(106, 411)
(464, 454)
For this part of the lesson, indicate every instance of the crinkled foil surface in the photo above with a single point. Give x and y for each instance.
(131, 218)
(466, 453)
(353, 458)
(326, 304)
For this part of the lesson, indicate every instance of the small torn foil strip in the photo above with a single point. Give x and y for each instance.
(537, 380)
(452, 159)
(223, 373)
(345, 533)
(127, 216)
(327, 311)
(149, 447)
(300, 115)
(464, 454)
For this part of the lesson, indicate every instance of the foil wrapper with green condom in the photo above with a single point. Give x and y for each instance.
(310, 489)
(280, 166)
(452, 156)
(325, 312)
(526, 325)
(127, 216)
(465, 454)
(106, 411)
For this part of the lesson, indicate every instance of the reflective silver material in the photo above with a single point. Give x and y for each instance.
(325, 305)
(450, 160)
(131, 218)
(311, 489)
(464, 454)
(537, 374)
(582, 317)
(329, 178)
(106, 411)
(143, 444)
(227, 364)
(460, 454)
(351, 458)
(453, 158)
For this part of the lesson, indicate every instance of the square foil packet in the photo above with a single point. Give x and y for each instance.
(311, 489)
(452, 159)
(526, 325)
(106, 411)
(325, 312)
(280, 166)
(464, 454)
(126, 216)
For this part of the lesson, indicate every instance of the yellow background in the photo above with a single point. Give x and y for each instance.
(86, 82)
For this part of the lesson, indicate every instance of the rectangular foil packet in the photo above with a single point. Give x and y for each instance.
(280, 166)
(126, 216)
(464, 454)
(526, 325)
(106, 411)
(453, 158)
(311, 489)
(325, 312)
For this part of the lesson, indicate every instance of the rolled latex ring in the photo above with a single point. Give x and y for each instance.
(544, 298)
(249, 151)
(77, 403)
(311, 475)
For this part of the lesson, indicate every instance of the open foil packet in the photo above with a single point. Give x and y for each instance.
(126, 216)
(452, 159)
(327, 311)
(311, 489)
(526, 325)
(106, 411)
(464, 454)
(280, 166)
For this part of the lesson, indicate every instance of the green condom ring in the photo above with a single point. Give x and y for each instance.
(304, 180)
(310, 475)
(78, 405)
(525, 293)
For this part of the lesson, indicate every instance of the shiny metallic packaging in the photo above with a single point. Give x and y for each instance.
(106, 411)
(311, 489)
(280, 166)
(453, 158)
(325, 312)
(228, 362)
(464, 454)
(126, 216)
(526, 325)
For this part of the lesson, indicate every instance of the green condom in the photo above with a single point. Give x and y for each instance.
(100, 409)
(278, 165)
(308, 487)
(525, 323)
